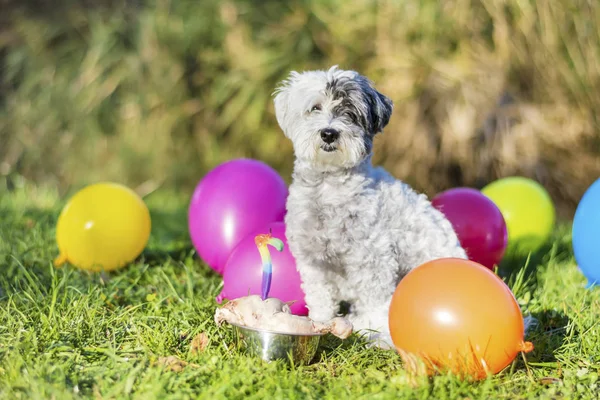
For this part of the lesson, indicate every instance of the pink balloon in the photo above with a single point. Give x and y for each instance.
(232, 200)
(243, 271)
(478, 222)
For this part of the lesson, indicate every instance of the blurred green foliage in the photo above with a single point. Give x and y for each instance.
(155, 93)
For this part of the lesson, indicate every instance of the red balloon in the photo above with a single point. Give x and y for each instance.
(478, 222)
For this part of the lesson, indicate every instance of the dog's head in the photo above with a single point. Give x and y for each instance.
(331, 116)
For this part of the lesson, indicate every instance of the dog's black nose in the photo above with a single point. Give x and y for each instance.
(329, 135)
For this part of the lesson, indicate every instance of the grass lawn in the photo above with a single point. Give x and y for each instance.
(65, 333)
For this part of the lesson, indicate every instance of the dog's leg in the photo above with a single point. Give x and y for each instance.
(369, 313)
(320, 294)
(372, 319)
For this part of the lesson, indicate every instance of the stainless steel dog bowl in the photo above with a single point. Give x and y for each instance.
(270, 345)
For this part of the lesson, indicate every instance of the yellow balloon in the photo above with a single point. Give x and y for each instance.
(103, 227)
(528, 211)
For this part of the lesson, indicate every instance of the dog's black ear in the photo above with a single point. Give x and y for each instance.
(381, 111)
(379, 106)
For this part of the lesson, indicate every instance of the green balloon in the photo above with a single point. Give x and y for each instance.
(527, 209)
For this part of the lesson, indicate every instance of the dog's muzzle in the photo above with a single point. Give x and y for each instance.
(329, 136)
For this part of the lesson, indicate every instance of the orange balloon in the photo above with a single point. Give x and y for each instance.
(457, 315)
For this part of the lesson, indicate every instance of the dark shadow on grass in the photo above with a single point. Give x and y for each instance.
(161, 256)
(169, 240)
(548, 334)
(330, 343)
(169, 229)
(513, 263)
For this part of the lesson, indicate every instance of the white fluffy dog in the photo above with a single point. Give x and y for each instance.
(353, 229)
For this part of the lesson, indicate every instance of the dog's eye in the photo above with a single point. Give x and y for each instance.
(316, 107)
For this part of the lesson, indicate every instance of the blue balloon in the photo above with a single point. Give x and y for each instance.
(586, 234)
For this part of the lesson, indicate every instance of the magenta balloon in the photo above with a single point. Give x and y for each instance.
(478, 222)
(232, 200)
(243, 271)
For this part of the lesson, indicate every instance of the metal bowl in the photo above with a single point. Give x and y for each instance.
(270, 345)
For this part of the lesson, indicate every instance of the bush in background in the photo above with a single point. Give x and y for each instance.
(155, 93)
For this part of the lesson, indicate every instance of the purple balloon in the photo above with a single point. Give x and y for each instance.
(232, 200)
(243, 272)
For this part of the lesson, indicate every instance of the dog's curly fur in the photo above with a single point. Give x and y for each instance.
(353, 229)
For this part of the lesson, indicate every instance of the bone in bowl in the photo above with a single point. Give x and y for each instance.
(267, 329)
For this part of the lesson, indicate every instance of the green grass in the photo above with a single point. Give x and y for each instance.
(67, 334)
